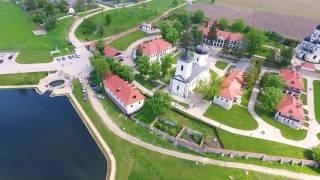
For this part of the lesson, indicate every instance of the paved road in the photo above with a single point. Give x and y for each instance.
(98, 107)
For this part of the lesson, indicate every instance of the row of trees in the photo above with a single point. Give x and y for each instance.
(271, 91)
(103, 66)
(281, 57)
(154, 70)
(159, 103)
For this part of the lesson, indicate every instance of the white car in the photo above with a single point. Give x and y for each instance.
(100, 96)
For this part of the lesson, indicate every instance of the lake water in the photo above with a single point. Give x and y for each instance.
(43, 138)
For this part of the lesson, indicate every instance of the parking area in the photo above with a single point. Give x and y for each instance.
(67, 57)
(7, 57)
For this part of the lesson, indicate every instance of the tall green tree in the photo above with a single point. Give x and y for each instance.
(155, 71)
(166, 64)
(159, 103)
(255, 39)
(169, 33)
(196, 35)
(286, 55)
(223, 24)
(107, 19)
(143, 65)
(273, 81)
(270, 98)
(238, 25)
(197, 16)
(316, 153)
(101, 68)
(209, 88)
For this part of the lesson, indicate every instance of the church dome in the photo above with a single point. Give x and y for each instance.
(202, 49)
(318, 27)
(186, 57)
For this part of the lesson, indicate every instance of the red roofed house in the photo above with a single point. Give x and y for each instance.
(123, 94)
(231, 91)
(235, 40)
(112, 52)
(294, 81)
(290, 112)
(156, 49)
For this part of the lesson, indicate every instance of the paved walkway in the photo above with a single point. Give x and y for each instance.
(98, 107)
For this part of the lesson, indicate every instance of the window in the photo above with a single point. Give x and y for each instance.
(197, 59)
(178, 88)
(131, 105)
(181, 68)
(315, 56)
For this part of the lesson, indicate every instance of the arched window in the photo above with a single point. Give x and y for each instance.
(181, 68)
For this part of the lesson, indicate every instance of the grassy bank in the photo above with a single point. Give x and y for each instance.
(16, 35)
(237, 117)
(22, 78)
(126, 18)
(316, 91)
(123, 43)
(134, 162)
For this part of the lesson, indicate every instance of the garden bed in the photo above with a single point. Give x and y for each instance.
(167, 126)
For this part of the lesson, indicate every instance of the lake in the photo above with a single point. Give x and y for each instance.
(43, 138)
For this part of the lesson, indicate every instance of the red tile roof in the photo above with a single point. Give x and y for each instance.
(225, 34)
(155, 46)
(231, 86)
(291, 106)
(125, 91)
(111, 52)
(292, 78)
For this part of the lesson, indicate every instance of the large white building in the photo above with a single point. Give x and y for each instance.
(190, 71)
(123, 94)
(309, 48)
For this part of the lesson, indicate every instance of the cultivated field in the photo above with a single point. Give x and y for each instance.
(264, 15)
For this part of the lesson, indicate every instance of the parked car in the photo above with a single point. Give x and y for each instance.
(10, 57)
(63, 58)
(1, 61)
(100, 96)
(85, 96)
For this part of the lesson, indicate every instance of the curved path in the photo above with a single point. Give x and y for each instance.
(98, 107)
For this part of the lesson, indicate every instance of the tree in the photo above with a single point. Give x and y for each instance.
(185, 20)
(100, 30)
(166, 64)
(126, 73)
(49, 9)
(253, 73)
(160, 102)
(101, 68)
(79, 6)
(316, 153)
(143, 64)
(209, 88)
(212, 35)
(88, 26)
(286, 55)
(155, 71)
(238, 25)
(50, 22)
(196, 35)
(185, 40)
(169, 33)
(62, 6)
(270, 98)
(100, 46)
(223, 23)
(107, 19)
(198, 17)
(174, 2)
(273, 81)
(212, 1)
(255, 39)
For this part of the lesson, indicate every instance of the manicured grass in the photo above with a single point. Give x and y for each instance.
(134, 162)
(145, 82)
(305, 82)
(303, 98)
(123, 43)
(316, 90)
(286, 131)
(146, 115)
(126, 18)
(221, 65)
(22, 78)
(16, 35)
(237, 117)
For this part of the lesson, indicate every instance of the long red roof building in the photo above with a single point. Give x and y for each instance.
(291, 106)
(292, 78)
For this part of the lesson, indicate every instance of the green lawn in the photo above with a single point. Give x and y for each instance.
(146, 115)
(237, 117)
(316, 90)
(145, 82)
(16, 34)
(134, 162)
(221, 65)
(126, 18)
(22, 78)
(286, 131)
(305, 82)
(123, 43)
(303, 98)
(246, 97)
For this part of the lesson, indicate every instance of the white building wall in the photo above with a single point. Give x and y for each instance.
(201, 59)
(179, 88)
(184, 69)
(126, 109)
(288, 122)
(223, 102)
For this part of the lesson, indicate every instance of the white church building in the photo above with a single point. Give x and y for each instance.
(309, 48)
(190, 71)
